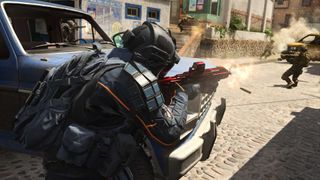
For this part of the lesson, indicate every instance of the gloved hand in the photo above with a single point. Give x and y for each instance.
(192, 90)
(209, 87)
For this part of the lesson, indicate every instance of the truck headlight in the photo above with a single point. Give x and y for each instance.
(292, 48)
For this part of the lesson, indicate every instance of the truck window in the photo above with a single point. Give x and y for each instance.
(308, 39)
(316, 41)
(4, 51)
(78, 31)
(38, 30)
(48, 29)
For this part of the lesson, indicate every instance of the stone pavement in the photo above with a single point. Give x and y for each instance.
(272, 133)
(16, 166)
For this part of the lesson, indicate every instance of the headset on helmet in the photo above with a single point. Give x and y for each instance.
(153, 44)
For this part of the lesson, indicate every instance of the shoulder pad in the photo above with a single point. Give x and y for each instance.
(147, 84)
(115, 60)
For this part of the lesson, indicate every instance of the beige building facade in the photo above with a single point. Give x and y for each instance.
(256, 14)
(285, 10)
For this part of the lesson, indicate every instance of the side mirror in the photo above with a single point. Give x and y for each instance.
(117, 40)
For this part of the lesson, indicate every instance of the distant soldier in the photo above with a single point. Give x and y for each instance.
(300, 61)
(183, 21)
(268, 50)
(68, 30)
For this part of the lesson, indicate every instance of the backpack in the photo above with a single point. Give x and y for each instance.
(40, 123)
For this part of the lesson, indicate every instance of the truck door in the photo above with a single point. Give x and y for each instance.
(9, 97)
(312, 42)
(315, 48)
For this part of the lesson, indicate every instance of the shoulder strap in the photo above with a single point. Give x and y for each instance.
(134, 115)
(80, 99)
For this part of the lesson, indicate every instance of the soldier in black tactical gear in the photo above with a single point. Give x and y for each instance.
(295, 70)
(112, 110)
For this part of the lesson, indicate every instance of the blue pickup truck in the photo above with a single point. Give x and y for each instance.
(35, 36)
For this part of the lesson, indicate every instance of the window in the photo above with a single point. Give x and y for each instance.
(133, 11)
(287, 20)
(214, 7)
(280, 2)
(308, 39)
(306, 2)
(153, 14)
(78, 31)
(38, 30)
(4, 51)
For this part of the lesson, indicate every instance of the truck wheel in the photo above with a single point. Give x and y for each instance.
(139, 169)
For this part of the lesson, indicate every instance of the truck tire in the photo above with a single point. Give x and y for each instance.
(139, 169)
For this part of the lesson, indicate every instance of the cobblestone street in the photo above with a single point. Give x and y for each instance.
(272, 133)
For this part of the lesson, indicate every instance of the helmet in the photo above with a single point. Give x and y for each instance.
(152, 45)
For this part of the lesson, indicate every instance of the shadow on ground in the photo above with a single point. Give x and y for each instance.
(294, 153)
(280, 85)
(314, 68)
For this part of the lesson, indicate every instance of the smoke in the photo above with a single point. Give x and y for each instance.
(239, 74)
(296, 30)
(195, 30)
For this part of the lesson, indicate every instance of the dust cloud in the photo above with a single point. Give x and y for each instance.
(296, 30)
(239, 74)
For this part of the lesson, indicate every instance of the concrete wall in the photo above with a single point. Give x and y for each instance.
(110, 14)
(246, 35)
(224, 48)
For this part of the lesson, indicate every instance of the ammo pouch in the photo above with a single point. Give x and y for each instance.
(82, 147)
(120, 152)
(76, 145)
(45, 128)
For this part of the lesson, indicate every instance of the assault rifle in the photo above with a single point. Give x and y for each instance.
(197, 74)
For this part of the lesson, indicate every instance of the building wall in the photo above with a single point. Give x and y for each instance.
(241, 8)
(240, 5)
(205, 14)
(295, 9)
(257, 7)
(111, 14)
(174, 11)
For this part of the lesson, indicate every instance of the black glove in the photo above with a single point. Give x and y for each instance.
(192, 90)
(209, 87)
